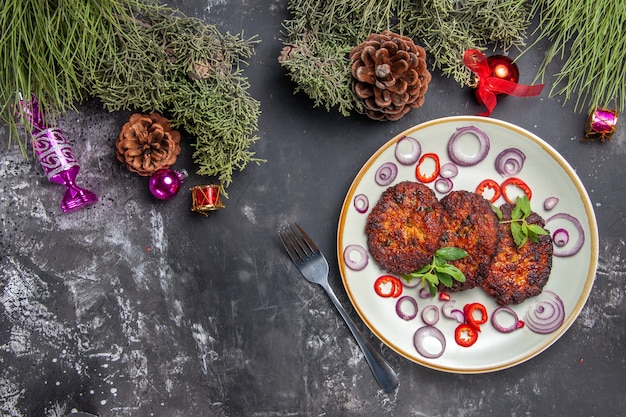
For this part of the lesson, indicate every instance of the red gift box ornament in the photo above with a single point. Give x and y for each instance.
(496, 75)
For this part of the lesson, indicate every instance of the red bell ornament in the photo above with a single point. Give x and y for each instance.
(493, 76)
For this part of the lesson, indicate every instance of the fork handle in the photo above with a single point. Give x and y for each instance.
(384, 374)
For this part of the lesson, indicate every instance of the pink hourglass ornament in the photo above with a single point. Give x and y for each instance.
(56, 158)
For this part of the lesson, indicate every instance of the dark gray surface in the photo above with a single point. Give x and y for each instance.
(136, 307)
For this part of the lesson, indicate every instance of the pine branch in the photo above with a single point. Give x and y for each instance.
(136, 56)
(589, 37)
(48, 49)
(190, 71)
(320, 35)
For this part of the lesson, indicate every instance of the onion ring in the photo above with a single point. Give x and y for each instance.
(560, 237)
(401, 313)
(499, 326)
(443, 185)
(510, 162)
(468, 160)
(569, 250)
(425, 293)
(425, 333)
(427, 317)
(386, 173)
(410, 284)
(358, 264)
(550, 202)
(361, 203)
(448, 170)
(450, 312)
(411, 157)
(547, 315)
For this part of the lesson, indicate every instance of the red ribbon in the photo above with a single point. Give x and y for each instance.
(489, 86)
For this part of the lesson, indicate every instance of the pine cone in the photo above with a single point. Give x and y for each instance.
(390, 75)
(147, 143)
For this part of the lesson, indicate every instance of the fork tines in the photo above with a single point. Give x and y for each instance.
(298, 244)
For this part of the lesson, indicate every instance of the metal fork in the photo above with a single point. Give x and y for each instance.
(314, 267)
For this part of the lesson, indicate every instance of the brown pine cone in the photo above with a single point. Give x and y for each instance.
(390, 75)
(147, 143)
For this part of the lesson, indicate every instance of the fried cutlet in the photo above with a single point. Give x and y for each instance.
(404, 227)
(470, 224)
(518, 273)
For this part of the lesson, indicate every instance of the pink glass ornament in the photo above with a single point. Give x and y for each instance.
(165, 183)
(56, 158)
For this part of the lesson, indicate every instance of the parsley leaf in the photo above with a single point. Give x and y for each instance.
(521, 230)
(450, 253)
(439, 270)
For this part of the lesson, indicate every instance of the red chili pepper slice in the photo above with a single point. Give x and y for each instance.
(465, 335)
(489, 184)
(517, 183)
(426, 178)
(475, 315)
(388, 286)
(444, 296)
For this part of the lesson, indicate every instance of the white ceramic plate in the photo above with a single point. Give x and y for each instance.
(546, 173)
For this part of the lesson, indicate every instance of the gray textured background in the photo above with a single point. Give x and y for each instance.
(136, 307)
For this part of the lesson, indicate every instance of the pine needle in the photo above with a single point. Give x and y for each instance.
(47, 48)
(589, 37)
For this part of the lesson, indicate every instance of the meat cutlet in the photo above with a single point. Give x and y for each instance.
(517, 274)
(469, 224)
(404, 227)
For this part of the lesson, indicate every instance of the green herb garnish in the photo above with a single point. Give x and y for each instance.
(520, 228)
(439, 270)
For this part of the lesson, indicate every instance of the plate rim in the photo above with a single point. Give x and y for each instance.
(593, 239)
